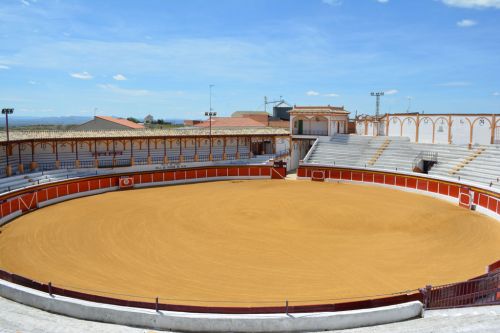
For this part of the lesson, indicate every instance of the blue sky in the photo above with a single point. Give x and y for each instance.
(131, 58)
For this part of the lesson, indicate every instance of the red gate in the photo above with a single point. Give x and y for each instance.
(465, 197)
(279, 170)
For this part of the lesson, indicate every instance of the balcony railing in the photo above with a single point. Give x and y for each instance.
(311, 132)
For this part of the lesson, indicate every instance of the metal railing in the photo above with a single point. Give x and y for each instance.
(203, 158)
(157, 159)
(122, 162)
(311, 132)
(67, 164)
(309, 153)
(87, 164)
(45, 166)
(106, 164)
(189, 159)
(141, 161)
(481, 291)
(430, 156)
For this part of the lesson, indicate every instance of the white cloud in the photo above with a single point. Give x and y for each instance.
(332, 95)
(312, 93)
(332, 2)
(473, 3)
(383, 1)
(119, 77)
(25, 2)
(129, 92)
(466, 23)
(4, 67)
(32, 82)
(391, 92)
(454, 84)
(496, 93)
(82, 76)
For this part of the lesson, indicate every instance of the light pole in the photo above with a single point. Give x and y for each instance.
(210, 114)
(210, 86)
(6, 112)
(377, 109)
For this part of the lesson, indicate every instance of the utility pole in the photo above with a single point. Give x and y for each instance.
(409, 104)
(377, 109)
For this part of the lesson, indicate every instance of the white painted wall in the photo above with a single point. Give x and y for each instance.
(409, 128)
(481, 131)
(441, 130)
(460, 130)
(426, 130)
(200, 322)
(465, 129)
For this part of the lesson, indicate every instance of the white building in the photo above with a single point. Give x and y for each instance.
(318, 120)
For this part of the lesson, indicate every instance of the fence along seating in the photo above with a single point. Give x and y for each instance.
(47, 161)
(21, 181)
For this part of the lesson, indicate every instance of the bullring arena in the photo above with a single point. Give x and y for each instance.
(274, 240)
(164, 230)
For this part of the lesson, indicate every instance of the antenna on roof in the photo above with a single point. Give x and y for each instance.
(95, 111)
(409, 104)
(267, 101)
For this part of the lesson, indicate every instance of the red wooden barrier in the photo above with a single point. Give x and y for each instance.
(467, 195)
(27, 199)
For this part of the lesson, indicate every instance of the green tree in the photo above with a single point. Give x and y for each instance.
(134, 120)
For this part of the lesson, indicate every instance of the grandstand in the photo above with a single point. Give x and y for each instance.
(43, 151)
(479, 164)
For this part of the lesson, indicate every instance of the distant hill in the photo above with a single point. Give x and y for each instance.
(29, 121)
(15, 121)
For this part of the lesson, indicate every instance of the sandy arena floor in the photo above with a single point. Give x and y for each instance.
(251, 241)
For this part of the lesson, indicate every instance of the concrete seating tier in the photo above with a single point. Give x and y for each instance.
(398, 153)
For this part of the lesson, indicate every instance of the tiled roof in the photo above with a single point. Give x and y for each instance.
(317, 109)
(121, 121)
(249, 113)
(232, 122)
(16, 135)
